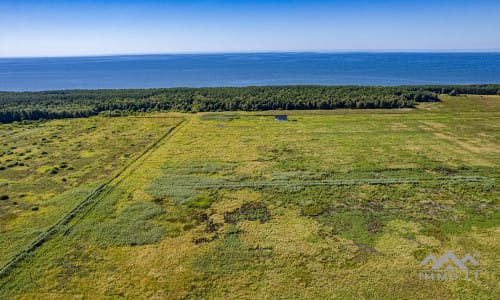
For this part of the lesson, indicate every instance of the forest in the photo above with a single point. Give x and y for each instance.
(20, 106)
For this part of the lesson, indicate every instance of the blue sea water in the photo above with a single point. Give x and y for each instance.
(205, 70)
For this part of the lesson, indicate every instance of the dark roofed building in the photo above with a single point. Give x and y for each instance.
(281, 118)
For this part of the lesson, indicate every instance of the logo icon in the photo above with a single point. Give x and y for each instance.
(449, 267)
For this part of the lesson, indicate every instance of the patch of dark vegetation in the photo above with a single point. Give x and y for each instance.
(201, 240)
(158, 201)
(249, 211)
(212, 226)
(4, 197)
(188, 227)
(374, 226)
(12, 165)
(233, 230)
(312, 210)
(199, 216)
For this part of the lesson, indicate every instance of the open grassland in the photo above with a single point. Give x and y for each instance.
(331, 204)
(47, 168)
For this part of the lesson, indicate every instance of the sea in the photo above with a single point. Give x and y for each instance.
(248, 69)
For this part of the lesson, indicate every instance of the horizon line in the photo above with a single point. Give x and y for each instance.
(494, 50)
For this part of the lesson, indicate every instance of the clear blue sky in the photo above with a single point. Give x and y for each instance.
(88, 27)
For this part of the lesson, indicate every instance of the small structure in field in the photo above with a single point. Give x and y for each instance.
(281, 118)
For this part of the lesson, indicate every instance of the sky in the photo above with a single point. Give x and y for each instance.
(96, 27)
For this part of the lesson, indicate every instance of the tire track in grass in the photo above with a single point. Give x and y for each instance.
(89, 202)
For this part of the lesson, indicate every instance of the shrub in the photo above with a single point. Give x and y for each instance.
(250, 211)
(4, 197)
(200, 202)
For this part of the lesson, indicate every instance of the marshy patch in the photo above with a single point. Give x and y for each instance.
(212, 226)
(249, 211)
(201, 240)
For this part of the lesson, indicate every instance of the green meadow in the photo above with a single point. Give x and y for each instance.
(331, 204)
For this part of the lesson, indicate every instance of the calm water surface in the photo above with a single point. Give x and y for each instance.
(148, 71)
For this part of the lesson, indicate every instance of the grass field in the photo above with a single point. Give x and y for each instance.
(331, 204)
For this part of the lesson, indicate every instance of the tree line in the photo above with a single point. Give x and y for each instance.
(19, 106)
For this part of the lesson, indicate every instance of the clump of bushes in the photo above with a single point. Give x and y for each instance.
(12, 165)
(250, 211)
(4, 197)
(200, 202)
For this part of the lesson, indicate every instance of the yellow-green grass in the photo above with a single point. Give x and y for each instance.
(49, 167)
(237, 205)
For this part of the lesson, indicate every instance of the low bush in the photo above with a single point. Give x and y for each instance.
(250, 211)
(200, 202)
